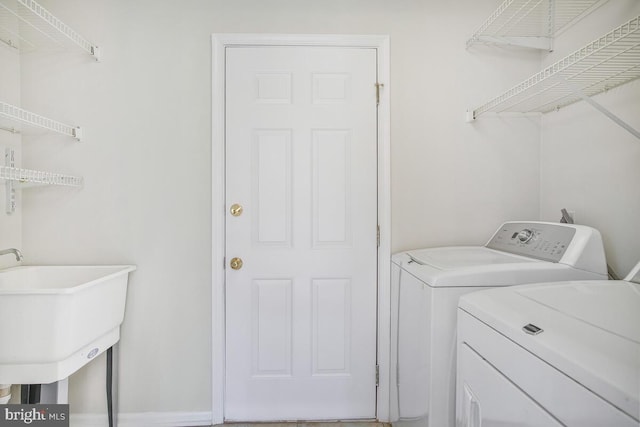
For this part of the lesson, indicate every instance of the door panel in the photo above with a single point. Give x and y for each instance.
(271, 187)
(331, 326)
(301, 156)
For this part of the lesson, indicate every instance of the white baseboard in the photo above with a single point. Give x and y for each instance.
(144, 419)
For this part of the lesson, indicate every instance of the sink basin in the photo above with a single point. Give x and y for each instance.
(55, 319)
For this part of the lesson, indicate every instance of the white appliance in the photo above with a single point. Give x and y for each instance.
(552, 354)
(426, 286)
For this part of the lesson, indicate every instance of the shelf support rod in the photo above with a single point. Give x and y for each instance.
(10, 161)
(551, 23)
(600, 108)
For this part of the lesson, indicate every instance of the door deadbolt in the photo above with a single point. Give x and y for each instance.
(236, 263)
(236, 209)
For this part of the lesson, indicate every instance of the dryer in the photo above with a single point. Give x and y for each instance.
(552, 354)
(427, 283)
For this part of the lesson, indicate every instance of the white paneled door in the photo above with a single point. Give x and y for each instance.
(301, 200)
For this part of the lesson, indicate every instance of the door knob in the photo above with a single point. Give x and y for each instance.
(236, 209)
(236, 263)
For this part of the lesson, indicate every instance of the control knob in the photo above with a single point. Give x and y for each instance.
(525, 235)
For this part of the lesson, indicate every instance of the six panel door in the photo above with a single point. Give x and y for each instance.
(301, 162)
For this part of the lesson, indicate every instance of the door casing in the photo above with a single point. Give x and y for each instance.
(219, 44)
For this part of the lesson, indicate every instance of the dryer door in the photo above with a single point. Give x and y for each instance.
(486, 398)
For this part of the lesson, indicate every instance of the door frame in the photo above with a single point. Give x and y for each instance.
(219, 44)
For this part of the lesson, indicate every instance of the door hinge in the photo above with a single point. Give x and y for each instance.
(378, 87)
(224, 262)
(378, 235)
(377, 375)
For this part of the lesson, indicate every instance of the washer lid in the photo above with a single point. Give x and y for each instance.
(478, 266)
(458, 257)
(586, 331)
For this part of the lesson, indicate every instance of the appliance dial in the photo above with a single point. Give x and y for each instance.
(525, 236)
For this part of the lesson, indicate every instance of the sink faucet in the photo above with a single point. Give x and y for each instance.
(14, 251)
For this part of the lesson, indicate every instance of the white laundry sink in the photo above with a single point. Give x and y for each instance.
(55, 319)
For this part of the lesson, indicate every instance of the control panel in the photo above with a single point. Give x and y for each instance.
(545, 241)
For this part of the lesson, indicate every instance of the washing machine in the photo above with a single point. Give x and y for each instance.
(552, 354)
(427, 283)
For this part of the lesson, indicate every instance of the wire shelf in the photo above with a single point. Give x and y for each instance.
(23, 116)
(39, 177)
(610, 61)
(26, 25)
(531, 23)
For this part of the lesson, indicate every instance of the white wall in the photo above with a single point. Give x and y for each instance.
(588, 163)
(455, 182)
(145, 158)
(10, 225)
(146, 114)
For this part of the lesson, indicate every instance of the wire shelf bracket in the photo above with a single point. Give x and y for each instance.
(23, 116)
(578, 92)
(531, 23)
(9, 129)
(606, 63)
(25, 24)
